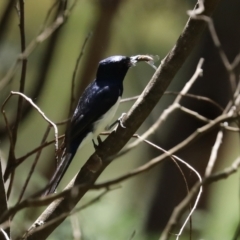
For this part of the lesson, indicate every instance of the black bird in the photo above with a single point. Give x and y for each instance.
(96, 108)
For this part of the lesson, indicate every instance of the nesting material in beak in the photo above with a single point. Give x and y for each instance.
(144, 58)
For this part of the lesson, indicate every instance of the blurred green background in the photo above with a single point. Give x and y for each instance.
(123, 28)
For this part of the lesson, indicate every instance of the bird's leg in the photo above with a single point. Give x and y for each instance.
(108, 128)
(96, 146)
(99, 140)
(118, 121)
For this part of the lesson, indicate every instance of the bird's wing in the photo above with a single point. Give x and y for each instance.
(94, 103)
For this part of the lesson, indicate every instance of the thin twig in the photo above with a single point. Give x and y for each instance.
(190, 139)
(6, 121)
(5, 234)
(197, 199)
(188, 85)
(229, 67)
(49, 12)
(166, 112)
(3, 198)
(11, 158)
(214, 153)
(76, 231)
(21, 159)
(132, 235)
(23, 72)
(36, 201)
(169, 110)
(42, 114)
(180, 209)
(197, 97)
(34, 164)
(6, 18)
(194, 114)
(191, 168)
(72, 99)
(129, 99)
(66, 214)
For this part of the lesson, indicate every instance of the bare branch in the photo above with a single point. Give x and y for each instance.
(229, 67)
(5, 234)
(189, 140)
(3, 200)
(180, 209)
(11, 157)
(37, 149)
(49, 12)
(42, 114)
(197, 199)
(34, 164)
(213, 156)
(189, 84)
(41, 226)
(23, 71)
(76, 231)
(197, 97)
(168, 111)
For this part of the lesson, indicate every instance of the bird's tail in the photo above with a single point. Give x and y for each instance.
(59, 173)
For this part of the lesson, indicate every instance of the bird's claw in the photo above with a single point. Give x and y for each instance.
(120, 120)
(99, 140)
(96, 146)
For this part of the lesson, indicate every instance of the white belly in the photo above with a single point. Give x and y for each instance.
(106, 119)
(101, 124)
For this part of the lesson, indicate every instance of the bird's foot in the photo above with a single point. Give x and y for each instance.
(99, 141)
(118, 121)
(96, 146)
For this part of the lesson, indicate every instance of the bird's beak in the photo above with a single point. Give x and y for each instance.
(140, 58)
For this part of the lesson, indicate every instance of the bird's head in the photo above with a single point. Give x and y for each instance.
(116, 67)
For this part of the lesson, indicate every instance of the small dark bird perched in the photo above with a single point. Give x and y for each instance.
(96, 108)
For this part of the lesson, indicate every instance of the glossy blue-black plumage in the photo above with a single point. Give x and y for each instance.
(97, 99)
